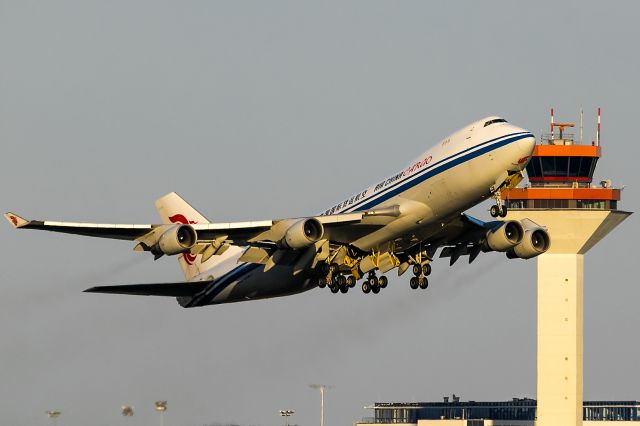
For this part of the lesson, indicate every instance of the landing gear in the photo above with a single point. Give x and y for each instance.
(413, 282)
(374, 284)
(334, 289)
(426, 269)
(383, 281)
(351, 281)
(423, 282)
(498, 209)
(420, 278)
(344, 289)
(417, 270)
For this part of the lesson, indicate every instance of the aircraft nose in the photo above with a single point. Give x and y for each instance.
(527, 144)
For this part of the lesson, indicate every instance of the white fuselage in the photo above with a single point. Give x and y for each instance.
(457, 173)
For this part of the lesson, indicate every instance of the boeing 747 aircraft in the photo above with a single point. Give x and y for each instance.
(398, 223)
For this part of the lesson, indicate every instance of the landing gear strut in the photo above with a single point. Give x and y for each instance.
(498, 209)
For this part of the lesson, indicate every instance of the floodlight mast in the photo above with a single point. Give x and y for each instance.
(286, 414)
(322, 388)
(161, 407)
(53, 415)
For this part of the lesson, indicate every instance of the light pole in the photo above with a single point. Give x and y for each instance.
(161, 407)
(53, 415)
(322, 388)
(286, 414)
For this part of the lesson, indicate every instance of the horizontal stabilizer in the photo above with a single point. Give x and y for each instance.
(15, 220)
(160, 289)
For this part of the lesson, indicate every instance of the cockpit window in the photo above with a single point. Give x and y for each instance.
(495, 120)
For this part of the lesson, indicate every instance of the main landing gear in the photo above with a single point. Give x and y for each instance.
(374, 284)
(330, 276)
(420, 273)
(498, 209)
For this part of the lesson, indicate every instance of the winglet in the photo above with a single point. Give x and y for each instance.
(15, 220)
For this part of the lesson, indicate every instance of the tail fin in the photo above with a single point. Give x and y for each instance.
(173, 209)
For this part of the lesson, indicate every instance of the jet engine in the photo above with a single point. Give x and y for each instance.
(535, 242)
(303, 233)
(507, 236)
(177, 239)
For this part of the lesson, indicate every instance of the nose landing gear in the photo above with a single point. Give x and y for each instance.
(498, 209)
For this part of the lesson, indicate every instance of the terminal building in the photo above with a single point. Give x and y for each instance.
(517, 412)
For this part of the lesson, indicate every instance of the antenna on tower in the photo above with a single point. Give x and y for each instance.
(598, 130)
(581, 131)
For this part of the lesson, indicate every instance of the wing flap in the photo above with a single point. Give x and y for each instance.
(158, 289)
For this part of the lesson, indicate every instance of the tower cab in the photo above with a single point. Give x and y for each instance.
(560, 175)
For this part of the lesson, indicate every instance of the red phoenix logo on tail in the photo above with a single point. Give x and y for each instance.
(180, 218)
(14, 220)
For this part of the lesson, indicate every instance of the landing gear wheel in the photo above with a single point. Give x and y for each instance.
(426, 269)
(373, 281)
(344, 289)
(383, 281)
(417, 270)
(413, 282)
(323, 269)
(322, 282)
(366, 288)
(341, 281)
(503, 213)
(494, 211)
(375, 290)
(334, 289)
(351, 281)
(423, 282)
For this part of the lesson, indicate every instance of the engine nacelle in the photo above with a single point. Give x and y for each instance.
(303, 233)
(535, 242)
(507, 236)
(177, 239)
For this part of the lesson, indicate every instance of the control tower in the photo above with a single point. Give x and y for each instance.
(578, 213)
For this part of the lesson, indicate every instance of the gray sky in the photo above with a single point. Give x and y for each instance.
(254, 110)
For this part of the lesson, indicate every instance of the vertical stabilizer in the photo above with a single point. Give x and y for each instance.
(173, 209)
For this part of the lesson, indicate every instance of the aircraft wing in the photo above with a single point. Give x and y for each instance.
(235, 233)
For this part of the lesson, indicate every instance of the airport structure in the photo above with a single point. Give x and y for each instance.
(562, 196)
(517, 412)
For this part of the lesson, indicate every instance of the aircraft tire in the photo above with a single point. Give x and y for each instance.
(322, 282)
(375, 290)
(344, 289)
(373, 282)
(494, 211)
(366, 288)
(417, 270)
(334, 289)
(341, 281)
(351, 281)
(383, 281)
(423, 282)
(504, 211)
(413, 282)
(426, 269)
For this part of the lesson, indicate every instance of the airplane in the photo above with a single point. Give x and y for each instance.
(398, 223)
